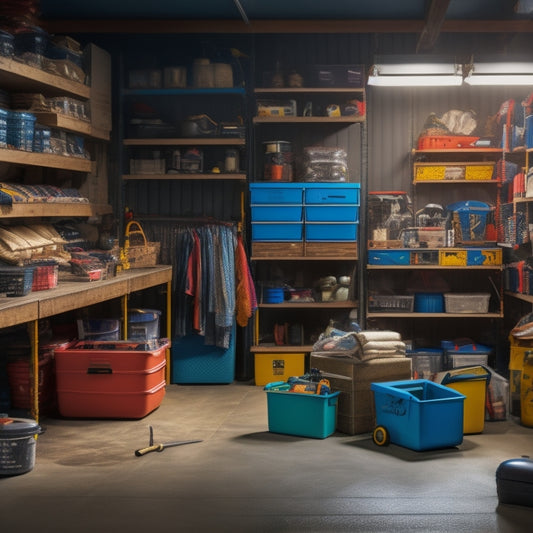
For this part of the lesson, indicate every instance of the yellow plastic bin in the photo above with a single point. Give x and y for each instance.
(472, 381)
(526, 391)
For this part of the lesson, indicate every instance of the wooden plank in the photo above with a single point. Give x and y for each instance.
(50, 210)
(274, 250)
(17, 76)
(338, 250)
(75, 295)
(142, 278)
(286, 348)
(15, 311)
(213, 176)
(45, 160)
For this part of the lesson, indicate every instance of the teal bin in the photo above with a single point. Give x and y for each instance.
(417, 414)
(300, 414)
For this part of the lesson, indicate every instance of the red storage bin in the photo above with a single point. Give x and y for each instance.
(431, 142)
(118, 379)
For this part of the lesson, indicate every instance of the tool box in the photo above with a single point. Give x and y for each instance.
(118, 379)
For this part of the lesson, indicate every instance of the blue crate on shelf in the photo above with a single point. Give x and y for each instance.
(330, 231)
(332, 213)
(389, 257)
(334, 193)
(276, 232)
(276, 193)
(277, 213)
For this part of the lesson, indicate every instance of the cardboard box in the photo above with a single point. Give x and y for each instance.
(98, 68)
(356, 413)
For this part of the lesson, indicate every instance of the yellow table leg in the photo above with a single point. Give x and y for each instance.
(33, 330)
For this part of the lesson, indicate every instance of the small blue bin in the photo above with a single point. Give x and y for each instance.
(300, 414)
(429, 302)
(277, 231)
(472, 217)
(330, 231)
(276, 193)
(332, 213)
(389, 257)
(419, 414)
(276, 213)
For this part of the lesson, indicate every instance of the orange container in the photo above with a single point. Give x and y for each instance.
(101, 379)
(431, 142)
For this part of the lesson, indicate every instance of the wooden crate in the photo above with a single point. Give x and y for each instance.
(331, 249)
(268, 250)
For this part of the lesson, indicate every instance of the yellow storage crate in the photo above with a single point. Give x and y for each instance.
(271, 367)
(479, 172)
(433, 172)
(492, 256)
(449, 257)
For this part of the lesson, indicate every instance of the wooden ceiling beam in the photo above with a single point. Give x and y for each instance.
(435, 15)
(281, 26)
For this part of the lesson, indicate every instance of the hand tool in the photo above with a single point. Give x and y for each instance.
(160, 447)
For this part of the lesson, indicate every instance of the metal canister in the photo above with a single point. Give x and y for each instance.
(278, 161)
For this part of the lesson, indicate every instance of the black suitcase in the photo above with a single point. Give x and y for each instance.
(514, 482)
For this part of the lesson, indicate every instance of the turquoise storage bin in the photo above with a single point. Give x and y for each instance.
(277, 213)
(192, 361)
(300, 414)
(276, 193)
(332, 213)
(334, 193)
(389, 257)
(429, 302)
(419, 414)
(330, 231)
(275, 232)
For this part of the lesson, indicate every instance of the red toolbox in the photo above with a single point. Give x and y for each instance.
(117, 379)
(432, 142)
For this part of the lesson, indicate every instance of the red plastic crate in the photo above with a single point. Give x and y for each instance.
(44, 277)
(110, 379)
(431, 142)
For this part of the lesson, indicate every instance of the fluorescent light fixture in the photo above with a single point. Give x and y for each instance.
(500, 73)
(415, 71)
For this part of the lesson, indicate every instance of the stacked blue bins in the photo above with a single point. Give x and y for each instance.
(143, 324)
(193, 361)
(417, 414)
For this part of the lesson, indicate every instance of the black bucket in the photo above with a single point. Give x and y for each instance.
(17, 445)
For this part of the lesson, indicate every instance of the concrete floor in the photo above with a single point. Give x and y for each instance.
(243, 478)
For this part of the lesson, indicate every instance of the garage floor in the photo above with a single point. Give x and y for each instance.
(243, 478)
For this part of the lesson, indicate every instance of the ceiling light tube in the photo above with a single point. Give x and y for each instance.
(500, 73)
(415, 72)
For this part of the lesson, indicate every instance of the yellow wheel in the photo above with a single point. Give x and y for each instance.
(381, 436)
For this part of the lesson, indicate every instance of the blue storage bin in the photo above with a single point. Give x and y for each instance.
(419, 414)
(143, 324)
(277, 213)
(276, 193)
(275, 232)
(192, 361)
(332, 213)
(20, 130)
(273, 295)
(529, 131)
(3, 128)
(430, 302)
(389, 257)
(99, 329)
(300, 414)
(472, 217)
(341, 193)
(330, 231)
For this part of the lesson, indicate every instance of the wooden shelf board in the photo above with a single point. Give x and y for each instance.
(434, 267)
(315, 90)
(45, 160)
(307, 120)
(480, 150)
(51, 209)
(456, 182)
(84, 127)
(70, 295)
(17, 76)
(433, 315)
(304, 258)
(222, 176)
(347, 304)
(182, 141)
(518, 296)
(274, 348)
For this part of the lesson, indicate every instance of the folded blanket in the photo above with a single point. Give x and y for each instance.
(368, 336)
(395, 346)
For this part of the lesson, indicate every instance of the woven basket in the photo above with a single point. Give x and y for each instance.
(139, 252)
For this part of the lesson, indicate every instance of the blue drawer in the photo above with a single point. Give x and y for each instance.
(276, 193)
(277, 213)
(332, 213)
(389, 257)
(340, 193)
(329, 232)
(283, 231)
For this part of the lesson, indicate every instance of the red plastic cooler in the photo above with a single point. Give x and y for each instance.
(99, 379)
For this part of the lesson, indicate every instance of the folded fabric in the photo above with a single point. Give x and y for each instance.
(368, 336)
(395, 346)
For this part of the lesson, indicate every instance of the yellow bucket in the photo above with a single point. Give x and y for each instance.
(471, 381)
